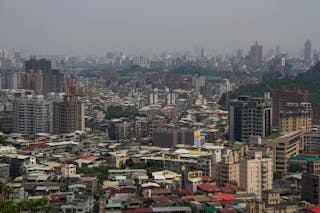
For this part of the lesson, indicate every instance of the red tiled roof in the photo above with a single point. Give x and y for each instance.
(57, 201)
(38, 146)
(226, 197)
(206, 178)
(142, 199)
(140, 210)
(41, 138)
(315, 209)
(227, 211)
(225, 189)
(89, 157)
(206, 187)
(24, 152)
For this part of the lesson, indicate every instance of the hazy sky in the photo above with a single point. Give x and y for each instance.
(97, 26)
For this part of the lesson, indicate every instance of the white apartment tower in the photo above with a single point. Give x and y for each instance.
(256, 173)
(32, 115)
(153, 100)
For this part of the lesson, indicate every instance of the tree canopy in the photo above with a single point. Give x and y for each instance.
(118, 112)
(25, 205)
(308, 80)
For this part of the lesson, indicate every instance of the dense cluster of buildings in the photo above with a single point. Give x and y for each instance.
(154, 142)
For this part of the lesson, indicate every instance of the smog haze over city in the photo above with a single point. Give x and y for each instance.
(82, 27)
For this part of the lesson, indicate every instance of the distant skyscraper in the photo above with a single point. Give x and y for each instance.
(278, 50)
(17, 57)
(56, 81)
(204, 53)
(256, 55)
(249, 116)
(51, 80)
(198, 82)
(308, 58)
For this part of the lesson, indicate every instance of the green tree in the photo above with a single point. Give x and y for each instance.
(4, 140)
(26, 205)
(114, 112)
(101, 171)
(118, 112)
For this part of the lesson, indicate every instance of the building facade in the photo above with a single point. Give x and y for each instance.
(256, 55)
(308, 53)
(280, 99)
(228, 169)
(172, 137)
(283, 148)
(295, 117)
(69, 115)
(310, 183)
(249, 116)
(256, 173)
(32, 115)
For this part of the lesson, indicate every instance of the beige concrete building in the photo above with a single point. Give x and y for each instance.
(283, 148)
(296, 117)
(228, 169)
(271, 202)
(256, 173)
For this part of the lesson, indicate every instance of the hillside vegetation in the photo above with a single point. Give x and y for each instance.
(309, 80)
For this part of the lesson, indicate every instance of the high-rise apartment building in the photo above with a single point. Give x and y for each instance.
(170, 98)
(283, 148)
(256, 173)
(228, 169)
(280, 99)
(172, 137)
(154, 97)
(296, 117)
(68, 115)
(310, 183)
(56, 81)
(249, 116)
(9, 79)
(256, 55)
(198, 81)
(308, 53)
(312, 143)
(33, 115)
(40, 74)
(37, 74)
(204, 53)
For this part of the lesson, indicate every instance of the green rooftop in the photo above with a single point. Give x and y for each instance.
(210, 209)
(306, 158)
